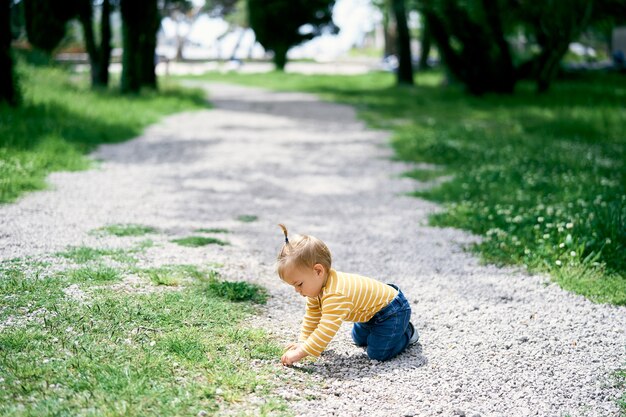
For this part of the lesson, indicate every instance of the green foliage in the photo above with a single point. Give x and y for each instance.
(46, 20)
(541, 178)
(61, 120)
(278, 24)
(476, 39)
(195, 241)
(163, 353)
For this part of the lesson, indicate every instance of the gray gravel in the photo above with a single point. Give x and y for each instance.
(494, 341)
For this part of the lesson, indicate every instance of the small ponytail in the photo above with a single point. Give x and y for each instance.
(282, 226)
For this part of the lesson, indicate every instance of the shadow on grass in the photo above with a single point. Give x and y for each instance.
(61, 119)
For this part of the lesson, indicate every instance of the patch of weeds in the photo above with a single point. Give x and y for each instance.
(216, 230)
(170, 353)
(94, 274)
(126, 230)
(238, 291)
(174, 275)
(195, 241)
(247, 218)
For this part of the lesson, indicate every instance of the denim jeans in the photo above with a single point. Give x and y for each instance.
(388, 332)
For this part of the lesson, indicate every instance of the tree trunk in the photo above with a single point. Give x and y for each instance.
(280, 57)
(85, 16)
(405, 67)
(390, 32)
(505, 76)
(425, 46)
(555, 46)
(8, 89)
(549, 66)
(102, 72)
(483, 61)
(242, 32)
(139, 28)
(180, 40)
(251, 49)
(150, 25)
(131, 79)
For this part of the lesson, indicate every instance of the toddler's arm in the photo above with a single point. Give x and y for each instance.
(311, 319)
(335, 308)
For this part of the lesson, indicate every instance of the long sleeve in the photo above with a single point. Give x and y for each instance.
(335, 308)
(311, 319)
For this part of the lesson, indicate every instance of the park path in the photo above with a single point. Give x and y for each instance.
(494, 341)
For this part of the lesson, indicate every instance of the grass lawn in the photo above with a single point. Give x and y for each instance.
(75, 342)
(541, 178)
(61, 120)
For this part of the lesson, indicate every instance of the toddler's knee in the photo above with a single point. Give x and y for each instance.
(379, 355)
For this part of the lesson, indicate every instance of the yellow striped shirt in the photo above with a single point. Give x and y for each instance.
(345, 297)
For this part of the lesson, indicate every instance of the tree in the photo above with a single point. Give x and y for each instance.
(9, 92)
(471, 41)
(405, 64)
(554, 25)
(140, 23)
(46, 20)
(281, 24)
(473, 38)
(180, 11)
(99, 55)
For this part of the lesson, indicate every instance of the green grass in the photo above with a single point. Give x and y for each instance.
(61, 120)
(163, 353)
(84, 254)
(94, 274)
(247, 218)
(126, 230)
(195, 241)
(214, 230)
(541, 177)
(174, 275)
(238, 291)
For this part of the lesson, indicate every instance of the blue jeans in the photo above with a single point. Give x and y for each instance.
(388, 332)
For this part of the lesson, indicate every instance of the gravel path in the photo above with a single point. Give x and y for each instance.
(495, 342)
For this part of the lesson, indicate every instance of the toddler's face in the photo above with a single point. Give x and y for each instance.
(306, 281)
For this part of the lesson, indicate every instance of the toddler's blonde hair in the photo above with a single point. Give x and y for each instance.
(304, 251)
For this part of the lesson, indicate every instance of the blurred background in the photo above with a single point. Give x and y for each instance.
(486, 45)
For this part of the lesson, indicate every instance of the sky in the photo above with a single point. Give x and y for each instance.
(355, 18)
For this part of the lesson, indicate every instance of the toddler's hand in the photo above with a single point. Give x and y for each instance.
(292, 345)
(293, 354)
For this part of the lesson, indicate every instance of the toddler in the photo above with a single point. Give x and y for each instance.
(380, 312)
